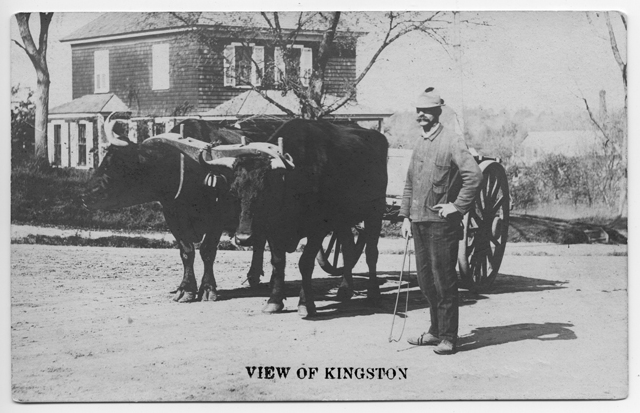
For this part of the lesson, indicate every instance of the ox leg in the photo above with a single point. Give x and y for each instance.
(208, 250)
(371, 252)
(345, 291)
(306, 304)
(255, 272)
(278, 261)
(186, 291)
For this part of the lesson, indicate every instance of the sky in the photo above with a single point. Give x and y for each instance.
(535, 59)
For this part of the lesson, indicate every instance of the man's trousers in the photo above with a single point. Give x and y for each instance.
(436, 246)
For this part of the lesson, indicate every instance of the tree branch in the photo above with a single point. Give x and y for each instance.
(19, 45)
(388, 39)
(29, 46)
(595, 122)
(273, 102)
(45, 21)
(614, 45)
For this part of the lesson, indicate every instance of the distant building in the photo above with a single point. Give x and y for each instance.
(153, 67)
(75, 131)
(537, 145)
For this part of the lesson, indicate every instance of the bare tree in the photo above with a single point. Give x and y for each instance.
(310, 87)
(603, 124)
(38, 56)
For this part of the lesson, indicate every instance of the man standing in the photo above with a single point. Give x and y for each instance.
(442, 182)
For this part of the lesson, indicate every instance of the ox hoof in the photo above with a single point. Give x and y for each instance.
(209, 294)
(184, 296)
(272, 308)
(344, 294)
(254, 278)
(306, 311)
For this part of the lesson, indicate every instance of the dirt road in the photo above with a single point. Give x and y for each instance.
(97, 324)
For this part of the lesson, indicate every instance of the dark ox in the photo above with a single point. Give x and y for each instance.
(132, 174)
(337, 179)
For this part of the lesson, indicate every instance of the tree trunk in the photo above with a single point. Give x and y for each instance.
(38, 56)
(42, 115)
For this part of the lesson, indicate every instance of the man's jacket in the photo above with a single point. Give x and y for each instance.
(441, 170)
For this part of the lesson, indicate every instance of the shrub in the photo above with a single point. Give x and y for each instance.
(44, 195)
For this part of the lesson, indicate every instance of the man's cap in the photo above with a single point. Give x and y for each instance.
(430, 98)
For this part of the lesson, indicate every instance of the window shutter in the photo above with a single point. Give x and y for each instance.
(160, 66)
(101, 71)
(64, 145)
(306, 65)
(50, 147)
(73, 144)
(89, 138)
(257, 55)
(280, 67)
(230, 65)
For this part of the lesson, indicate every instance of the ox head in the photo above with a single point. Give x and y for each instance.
(258, 183)
(118, 181)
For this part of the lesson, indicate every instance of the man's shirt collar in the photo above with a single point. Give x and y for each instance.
(433, 132)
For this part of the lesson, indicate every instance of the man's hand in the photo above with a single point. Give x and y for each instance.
(406, 228)
(445, 210)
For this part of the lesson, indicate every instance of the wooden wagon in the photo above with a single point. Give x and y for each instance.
(485, 225)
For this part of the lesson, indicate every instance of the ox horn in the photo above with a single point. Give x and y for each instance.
(108, 131)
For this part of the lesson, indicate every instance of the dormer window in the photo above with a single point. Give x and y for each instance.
(300, 63)
(243, 65)
(101, 71)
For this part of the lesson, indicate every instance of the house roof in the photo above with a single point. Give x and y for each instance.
(569, 143)
(96, 103)
(251, 103)
(131, 24)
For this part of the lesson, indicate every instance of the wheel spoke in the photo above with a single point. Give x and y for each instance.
(337, 255)
(491, 182)
(477, 220)
(496, 240)
(332, 241)
(498, 205)
(484, 266)
(495, 190)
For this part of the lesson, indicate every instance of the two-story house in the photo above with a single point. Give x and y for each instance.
(163, 67)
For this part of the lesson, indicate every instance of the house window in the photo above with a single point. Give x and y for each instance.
(299, 63)
(57, 144)
(243, 65)
(160, 66)
(158, 128)
(101, 71)
(82, 144)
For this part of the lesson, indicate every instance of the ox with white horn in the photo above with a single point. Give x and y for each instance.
(108, 131)
(279, 159)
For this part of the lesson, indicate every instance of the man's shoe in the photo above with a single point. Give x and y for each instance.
(445, 347)
(424, 339)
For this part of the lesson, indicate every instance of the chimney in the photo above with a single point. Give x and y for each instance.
(603, 106)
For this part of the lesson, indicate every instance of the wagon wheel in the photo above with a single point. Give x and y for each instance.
(330, 255)
(485, 229)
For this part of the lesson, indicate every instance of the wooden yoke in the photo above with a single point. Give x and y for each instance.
(190, 147)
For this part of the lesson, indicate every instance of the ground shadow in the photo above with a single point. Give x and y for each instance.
(507, 283)
(325, 289)
(492, 336)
